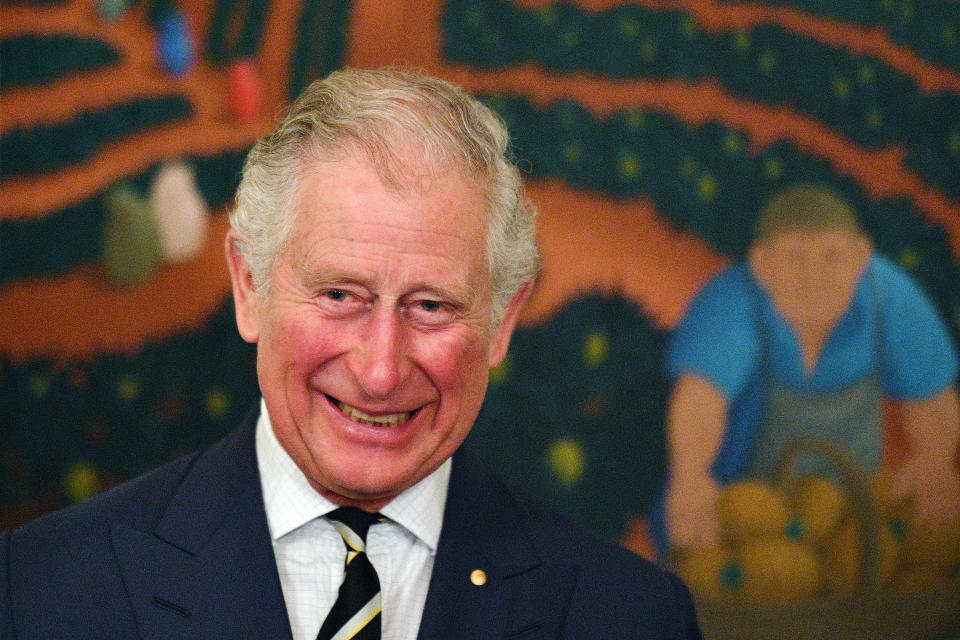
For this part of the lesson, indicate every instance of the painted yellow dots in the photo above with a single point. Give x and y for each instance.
(636, 119)
(954, 144)
(949, 34)
(572, 152)
(596, 346)
(909, 258)
(567, 461)
(732, 144)
(648, 49)
(571, 38)
(567, 116)
(707, 188)
(629, 28)
(500, 373)
(80, 482)
(128, 388)
(741, 40)
(39, 385)
(217, 403)
(628, 165)
(772, 168)
(547, 16)
(767, 62)
(841, 87)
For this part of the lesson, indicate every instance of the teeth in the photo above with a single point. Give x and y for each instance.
(388, 420)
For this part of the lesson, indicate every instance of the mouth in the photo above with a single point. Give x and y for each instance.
(382, 420)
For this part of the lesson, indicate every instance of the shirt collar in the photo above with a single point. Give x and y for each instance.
(291, 502)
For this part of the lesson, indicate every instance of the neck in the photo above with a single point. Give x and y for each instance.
(812, 339)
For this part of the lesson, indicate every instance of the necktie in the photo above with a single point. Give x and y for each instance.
(356, 613)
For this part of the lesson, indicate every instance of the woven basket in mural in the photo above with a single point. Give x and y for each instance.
(869, 614)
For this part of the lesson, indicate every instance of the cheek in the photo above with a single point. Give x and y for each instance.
(457, 366)
(293, 341)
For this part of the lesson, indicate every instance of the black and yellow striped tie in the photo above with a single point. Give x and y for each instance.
(356, 613)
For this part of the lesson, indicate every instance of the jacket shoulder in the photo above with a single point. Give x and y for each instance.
(139, 502)
(71, 569)
(616, 590)
(70, 552)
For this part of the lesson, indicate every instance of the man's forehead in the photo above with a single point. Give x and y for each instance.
(443, 204)
(801, 237)
(403, 164)
(438, 229)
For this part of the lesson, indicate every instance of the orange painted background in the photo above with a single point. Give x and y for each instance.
(77, 315)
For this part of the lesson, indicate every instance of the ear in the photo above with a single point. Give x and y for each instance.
(246, 301)
(862, 248)
(760, 260)
(500, 341)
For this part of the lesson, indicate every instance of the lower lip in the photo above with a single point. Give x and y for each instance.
(360, 432)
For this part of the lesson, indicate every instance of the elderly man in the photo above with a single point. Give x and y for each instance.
(380, 252)
(804, 339)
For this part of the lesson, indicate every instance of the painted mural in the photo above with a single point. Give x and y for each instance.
(744, 344)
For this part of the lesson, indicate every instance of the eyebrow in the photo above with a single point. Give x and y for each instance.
(329, 277)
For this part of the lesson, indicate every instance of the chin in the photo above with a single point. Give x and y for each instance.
(372, 479)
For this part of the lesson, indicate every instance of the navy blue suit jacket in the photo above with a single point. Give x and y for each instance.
(184, 552)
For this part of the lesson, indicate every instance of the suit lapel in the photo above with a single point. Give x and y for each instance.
(483, 531)
(207, 569)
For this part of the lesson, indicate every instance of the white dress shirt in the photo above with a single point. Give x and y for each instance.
(310, 553)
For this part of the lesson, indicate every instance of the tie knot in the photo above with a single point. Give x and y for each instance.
(356, 520)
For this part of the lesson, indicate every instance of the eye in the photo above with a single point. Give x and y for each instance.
(430, 312)
(337, 295)
(337, 302)
(431, 306)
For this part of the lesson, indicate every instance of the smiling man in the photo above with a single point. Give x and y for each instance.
(380, 252)
(377, 335)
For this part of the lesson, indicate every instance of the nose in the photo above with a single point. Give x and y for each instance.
(379, 363)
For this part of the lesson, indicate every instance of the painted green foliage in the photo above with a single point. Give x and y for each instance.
(863, 98)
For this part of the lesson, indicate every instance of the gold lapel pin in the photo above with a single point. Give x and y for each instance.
(478, 577)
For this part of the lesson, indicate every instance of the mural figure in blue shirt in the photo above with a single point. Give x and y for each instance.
(805, 338)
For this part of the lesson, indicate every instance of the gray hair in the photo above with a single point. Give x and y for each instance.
(377, 111)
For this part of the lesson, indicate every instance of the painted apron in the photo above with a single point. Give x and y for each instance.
(850, 418)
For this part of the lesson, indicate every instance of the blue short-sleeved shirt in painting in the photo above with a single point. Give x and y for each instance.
(732, 334)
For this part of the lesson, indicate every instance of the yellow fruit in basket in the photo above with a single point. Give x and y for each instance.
(778, 571)
(841, 557)
(818, 505)
(934, 544)
(710, 572)
(750, 509)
